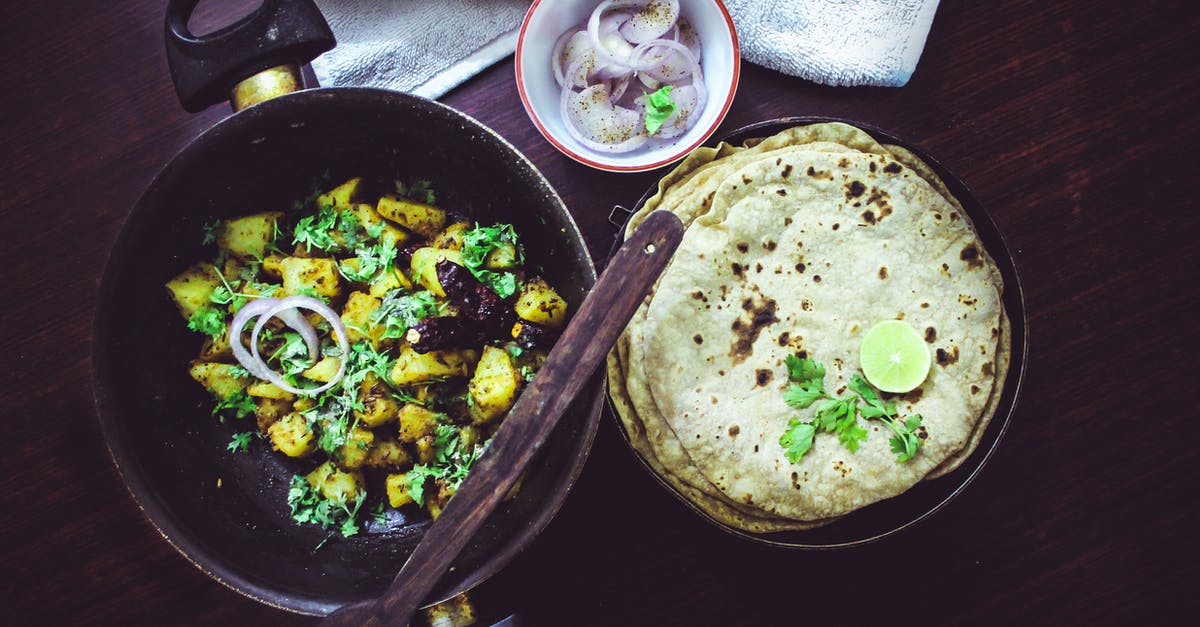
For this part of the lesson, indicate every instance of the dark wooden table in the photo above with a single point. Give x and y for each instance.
(1076, 124)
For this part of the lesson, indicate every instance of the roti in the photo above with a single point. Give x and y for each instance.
(797, 244)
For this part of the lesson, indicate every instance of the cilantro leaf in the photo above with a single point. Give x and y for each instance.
(801, 396)
(659, 107)
(209, 321)
(797, 440)
(240, 442)
(211, 231)
(418, 189)
(478, 243)
(401, 311)
(314, 231)
(309, 506)
(371, 261)
(241, 403)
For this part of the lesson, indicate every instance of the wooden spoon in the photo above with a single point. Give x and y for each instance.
(592, 332)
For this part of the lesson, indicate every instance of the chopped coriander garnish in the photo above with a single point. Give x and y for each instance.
(209, 321)
(240, 402)
(400, 311)
(659, 107)
(839, 416)
(419, 190)
(479, 243)
(309, 506)
(240, 442)
(211, 231)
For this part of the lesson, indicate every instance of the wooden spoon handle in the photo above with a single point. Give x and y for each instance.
(592, 332)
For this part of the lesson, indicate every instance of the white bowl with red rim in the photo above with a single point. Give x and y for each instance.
(547, 20)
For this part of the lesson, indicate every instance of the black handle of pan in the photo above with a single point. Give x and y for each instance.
(206, 69)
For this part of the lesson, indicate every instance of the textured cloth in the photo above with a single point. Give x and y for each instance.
(427, 47)
(423, 47)
(835, 42)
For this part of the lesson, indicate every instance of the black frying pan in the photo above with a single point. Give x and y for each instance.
(227, 512)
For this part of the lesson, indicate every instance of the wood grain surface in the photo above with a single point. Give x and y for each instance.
(1074, 122)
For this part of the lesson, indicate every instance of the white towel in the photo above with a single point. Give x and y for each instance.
(427, 47)
(423, 47)
(835, 42)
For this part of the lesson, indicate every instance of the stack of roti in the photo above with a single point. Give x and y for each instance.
(797, 244)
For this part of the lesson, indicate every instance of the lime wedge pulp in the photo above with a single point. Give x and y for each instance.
(894, 357)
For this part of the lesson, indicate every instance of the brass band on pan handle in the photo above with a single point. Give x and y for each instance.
(271, 82)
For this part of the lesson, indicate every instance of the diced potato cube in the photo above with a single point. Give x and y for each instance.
(359, 317)
(503, 257)
(268, 411)
(435, 502)
(342, 196)
(216, 348)
(397, 490)
(451, 237)
(273, 265)
(304, 403)
(334, 483)
(319, 275)
(221, 380)
(192, 287)
(540, 304)
(424, 267)
(249, 236)
(371, 220)
(456, 611)
(324, 370)
(426, 451)
(291, 435)
(266, 389)
(378, 405)
(413, 367)
(418, 217)
(388, 281)
(416, 422)
(493, 389)
(353, 454)
(388, 453)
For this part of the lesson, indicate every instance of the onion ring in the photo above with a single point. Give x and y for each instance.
(286, 310)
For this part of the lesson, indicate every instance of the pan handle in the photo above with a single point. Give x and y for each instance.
(248, 61)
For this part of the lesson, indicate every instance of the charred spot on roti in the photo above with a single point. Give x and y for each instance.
(816, 278)
(836, 226)
(763, 376)
(820, 174)
(737, 268)
(758, 268)
(747, 180)
(930, 335)
(945, 358)
(868, 216)
(988, 369)
(800, 267)
(912, 396)
(806, 304)
(787, 221)
(843, 163)
(781, 191)
(855, 189)
(746, 333)
(784, 337)
(871, 166)
(922, 432)
(697, 338)
(967, 300)
(937, 216)
(974, 389)
(743, 247)
(924, 305)
(841, 467)
(883, 273)
(953, 216)
(734, 430)
(699, 295)
(770, 244)
(893, 168)
(787, 171)
(970, 254)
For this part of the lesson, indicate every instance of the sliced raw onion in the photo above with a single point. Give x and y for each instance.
(624, 40)
(652, 22)
(286, 310)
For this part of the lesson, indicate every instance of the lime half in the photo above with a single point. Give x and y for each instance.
(894, 357)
